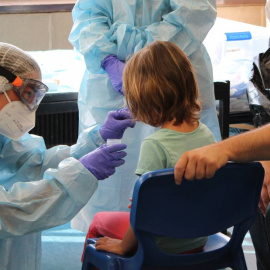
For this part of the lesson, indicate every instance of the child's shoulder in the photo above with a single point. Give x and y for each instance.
(203, 127)
(205, 132)
(160, 133)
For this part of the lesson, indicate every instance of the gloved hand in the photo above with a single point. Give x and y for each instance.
(116, 123)
(102, 161)
(114, 67)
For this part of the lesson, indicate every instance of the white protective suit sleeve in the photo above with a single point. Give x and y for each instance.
(41, 188)
(34, 206)
(103, 27)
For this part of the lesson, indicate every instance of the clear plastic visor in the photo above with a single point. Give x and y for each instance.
(31, 92)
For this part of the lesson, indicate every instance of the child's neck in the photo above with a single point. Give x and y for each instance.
(184, 127)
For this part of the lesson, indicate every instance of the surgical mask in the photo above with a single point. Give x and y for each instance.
(16, 119)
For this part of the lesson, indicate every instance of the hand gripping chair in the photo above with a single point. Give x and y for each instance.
(193, 209)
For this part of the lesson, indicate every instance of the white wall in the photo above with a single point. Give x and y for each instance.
(47, 31)
(37, 31)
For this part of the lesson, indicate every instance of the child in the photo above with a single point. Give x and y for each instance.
(161, 90)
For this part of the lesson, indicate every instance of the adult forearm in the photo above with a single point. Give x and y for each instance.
(205, 161)
(249, 146)
(35, 206)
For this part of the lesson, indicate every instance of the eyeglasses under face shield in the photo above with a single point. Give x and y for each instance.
(30, 91)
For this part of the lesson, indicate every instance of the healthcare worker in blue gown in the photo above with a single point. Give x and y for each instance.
(122, 27)
(41, 188)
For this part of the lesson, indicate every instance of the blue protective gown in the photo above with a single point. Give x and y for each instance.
(60, 187)
(123, 27)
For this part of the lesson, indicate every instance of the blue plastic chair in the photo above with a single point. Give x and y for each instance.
(190, 210)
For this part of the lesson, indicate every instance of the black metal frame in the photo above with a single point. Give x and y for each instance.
(222, 94)
(58, 102)
(57, 119)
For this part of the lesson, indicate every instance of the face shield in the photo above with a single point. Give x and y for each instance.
(30, 91)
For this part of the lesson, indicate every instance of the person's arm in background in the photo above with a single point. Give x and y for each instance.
(203, 162)
(91, 34)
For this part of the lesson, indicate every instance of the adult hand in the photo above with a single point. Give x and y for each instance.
(200, 163)
(102, 161)
(114, 67)
(265, 193)
(116, 123)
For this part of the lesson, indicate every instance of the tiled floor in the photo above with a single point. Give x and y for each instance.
(62, 248)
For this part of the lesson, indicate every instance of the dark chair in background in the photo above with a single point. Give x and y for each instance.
(190, 210)
(222, 94)
(57, 119)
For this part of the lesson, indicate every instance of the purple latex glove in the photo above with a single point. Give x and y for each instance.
(102, 161)
(114, 67)
(115, 124)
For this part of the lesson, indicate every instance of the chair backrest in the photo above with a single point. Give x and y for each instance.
(222, 93)
(195, 208)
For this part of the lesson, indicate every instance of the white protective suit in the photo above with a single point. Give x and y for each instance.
(27, 208)
(123, 27)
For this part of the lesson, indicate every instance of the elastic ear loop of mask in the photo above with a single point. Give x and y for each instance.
(7, 97)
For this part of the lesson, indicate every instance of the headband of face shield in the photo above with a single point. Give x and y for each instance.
(30, 91)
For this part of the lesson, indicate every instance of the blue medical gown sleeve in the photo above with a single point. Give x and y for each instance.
(103, 27)
(39, 205)
(92, 17)
(88, 140)
(42, 188)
